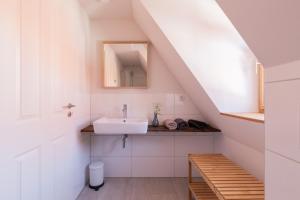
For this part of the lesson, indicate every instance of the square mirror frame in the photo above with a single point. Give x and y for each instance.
(102, 67)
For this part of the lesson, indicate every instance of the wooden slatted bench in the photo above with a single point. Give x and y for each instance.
(222, 179)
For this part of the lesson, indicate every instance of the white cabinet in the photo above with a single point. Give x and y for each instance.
(282, 123)
(282, 178)
(283, 118)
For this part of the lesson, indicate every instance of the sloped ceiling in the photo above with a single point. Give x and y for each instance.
(270, 27)
(175, 63)
(206, 45)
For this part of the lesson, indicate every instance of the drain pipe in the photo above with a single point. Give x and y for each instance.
(124, 139)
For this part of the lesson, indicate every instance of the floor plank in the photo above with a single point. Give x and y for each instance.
(139, 189)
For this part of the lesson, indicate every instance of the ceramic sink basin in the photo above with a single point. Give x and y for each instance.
(111, 126)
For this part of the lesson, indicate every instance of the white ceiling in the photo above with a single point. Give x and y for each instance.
(108, 9)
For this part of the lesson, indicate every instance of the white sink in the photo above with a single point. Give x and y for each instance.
(111, 126)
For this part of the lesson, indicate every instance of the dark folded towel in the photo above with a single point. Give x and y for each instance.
(197, 124)
(181, 124)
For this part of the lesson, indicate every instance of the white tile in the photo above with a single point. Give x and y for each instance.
(152, 146)
(193, 144)
(110, 146)
(188, 117)
(95, 116)
(109, 105)
(142, 105)
(184, 106)
(139, 105)
(166, 102)
(181, 167)
(152, 167)
(115, 166)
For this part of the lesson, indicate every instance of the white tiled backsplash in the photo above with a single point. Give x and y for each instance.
(141, 105)
(149, 156)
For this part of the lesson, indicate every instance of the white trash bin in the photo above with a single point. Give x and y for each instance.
(96, 175)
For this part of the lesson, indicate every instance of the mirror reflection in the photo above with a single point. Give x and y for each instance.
(125, 64)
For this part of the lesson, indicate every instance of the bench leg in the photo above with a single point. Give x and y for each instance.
(190, 180)
(190, 172)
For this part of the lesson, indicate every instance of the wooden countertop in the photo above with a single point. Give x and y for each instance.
(90, 129)
(189, 129)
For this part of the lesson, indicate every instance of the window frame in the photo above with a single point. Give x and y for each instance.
(261, 89)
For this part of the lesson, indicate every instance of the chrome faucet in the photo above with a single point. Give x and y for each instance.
(124, 110)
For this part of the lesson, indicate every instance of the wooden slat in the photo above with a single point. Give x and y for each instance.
(201, 191)
(226, 179)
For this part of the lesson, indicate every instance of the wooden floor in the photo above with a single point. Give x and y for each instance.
(139, 189)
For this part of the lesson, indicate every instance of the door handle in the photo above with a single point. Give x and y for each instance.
(69, 106)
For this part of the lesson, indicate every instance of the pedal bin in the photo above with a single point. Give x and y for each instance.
(96, 175)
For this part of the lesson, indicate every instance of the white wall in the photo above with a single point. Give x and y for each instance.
(243, 142)
(44, 67)
(162, 87)
(282, 131)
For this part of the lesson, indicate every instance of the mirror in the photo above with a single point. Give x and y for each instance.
(125, 64)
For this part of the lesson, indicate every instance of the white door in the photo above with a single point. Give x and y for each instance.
(42, 69)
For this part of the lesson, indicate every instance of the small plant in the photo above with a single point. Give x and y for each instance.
(156, 108)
